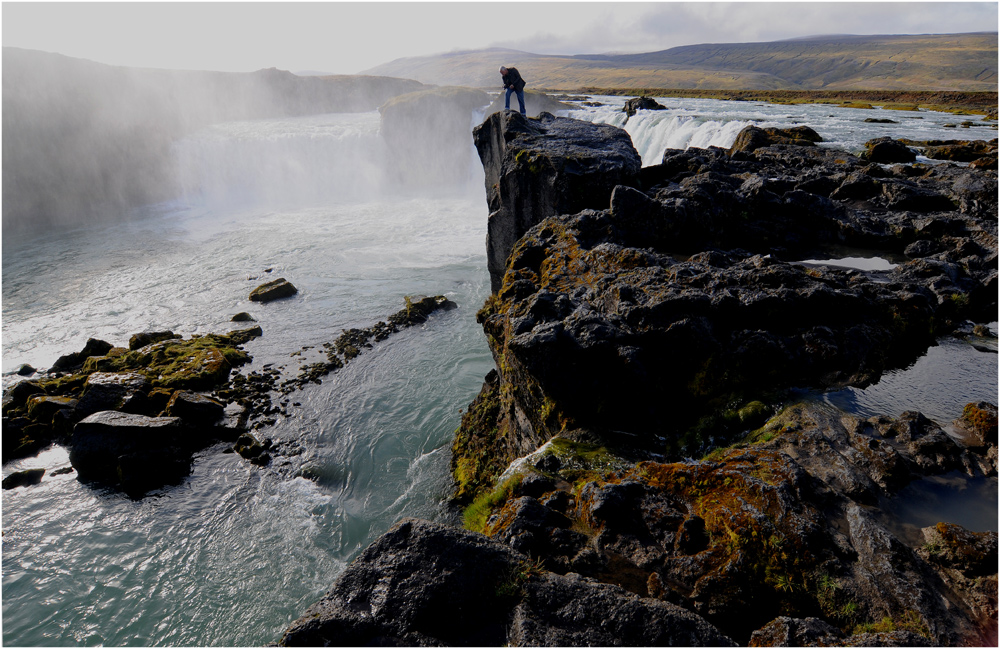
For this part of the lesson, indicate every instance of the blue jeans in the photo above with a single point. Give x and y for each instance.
(520, 100)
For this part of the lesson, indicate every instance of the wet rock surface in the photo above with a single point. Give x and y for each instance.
(688, 293)
(273, 290)
(641, 103)
(423, 584)
(675, 319)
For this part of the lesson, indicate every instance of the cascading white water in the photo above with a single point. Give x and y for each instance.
(703, 123)
(301, 161)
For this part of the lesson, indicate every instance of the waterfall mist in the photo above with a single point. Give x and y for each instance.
(85, 141)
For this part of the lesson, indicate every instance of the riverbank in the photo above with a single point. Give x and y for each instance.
(959, 103)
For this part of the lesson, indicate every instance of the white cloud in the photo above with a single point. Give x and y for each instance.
(350, 37)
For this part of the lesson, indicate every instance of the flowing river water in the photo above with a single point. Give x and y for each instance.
(234, 553)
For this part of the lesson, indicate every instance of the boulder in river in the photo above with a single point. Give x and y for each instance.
(25, 478)
(117, 449)
(274, 290)
(641, 103)
(887, 150)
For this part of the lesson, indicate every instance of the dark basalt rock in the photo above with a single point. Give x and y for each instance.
(24, 370)
(400, 592)
(274, 290)
(595, 304)
(540, 167)
(243, 316)
(149, 337)
(752, 138)
(887, 150)
(124, 391)
(782, 525)
(131, 452)
(641, 103)
(792, 632)
(194, 408)
(243, 336)
(24, 478)
(955, 150)
(43, 408)
(624, 323)
(94, 347)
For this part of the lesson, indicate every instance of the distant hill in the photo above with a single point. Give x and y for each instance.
(957, 62)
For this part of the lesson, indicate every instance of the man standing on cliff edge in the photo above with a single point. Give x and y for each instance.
(513, 82)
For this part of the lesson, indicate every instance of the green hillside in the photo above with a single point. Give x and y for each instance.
(940, 62)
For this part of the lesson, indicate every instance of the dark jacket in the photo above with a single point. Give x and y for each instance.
(513, 77)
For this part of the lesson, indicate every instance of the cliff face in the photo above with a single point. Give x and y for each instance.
(675, 319)
(539, 168)
(672, 320)
(614, 319)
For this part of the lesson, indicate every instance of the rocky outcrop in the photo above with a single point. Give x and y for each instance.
(24, 478)
(956, 150)
(752, 138)
(630, 336)
(400, 592)
(613, 319)
(126, 390)
(785, 525)
(539, 168)
(134, 417)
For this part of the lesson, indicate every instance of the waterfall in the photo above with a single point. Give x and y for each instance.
(655, 131)
(292, 161)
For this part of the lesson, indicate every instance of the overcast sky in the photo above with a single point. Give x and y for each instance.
(351, 37)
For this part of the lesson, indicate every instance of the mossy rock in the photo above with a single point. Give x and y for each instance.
(199, 363)
(43, 408)
(279, 288)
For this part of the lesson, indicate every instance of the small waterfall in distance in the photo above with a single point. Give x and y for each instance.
(653, 132)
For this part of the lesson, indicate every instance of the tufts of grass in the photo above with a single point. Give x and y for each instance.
(478, 512)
